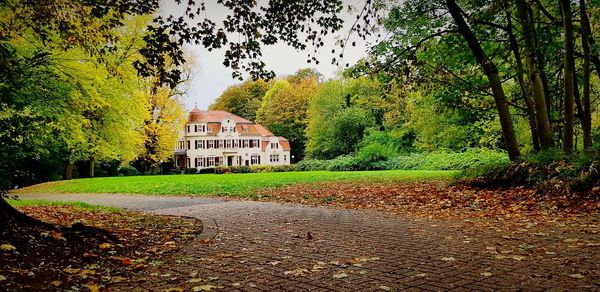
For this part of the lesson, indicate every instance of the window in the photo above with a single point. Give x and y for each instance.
(223, 129)
(203, 128)
(255, 159)
(231, 129)
(274, 158)
(236, 143)
(210, 130)
(220, 143)
(211, 161)
(195, 128)
(284, 157)
(274, 145)
(257, 143)
(187, 128)
(210, 144)
(245, 143)
(245, 129)
(228, 144)
(188, 145)
(196, 144)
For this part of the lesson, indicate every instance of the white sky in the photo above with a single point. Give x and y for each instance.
(211, 77)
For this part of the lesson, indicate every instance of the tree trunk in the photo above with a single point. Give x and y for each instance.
(69, 171)
(10, 215)
(569, 76)
(514, 45)
(586, 119)
(491, 71)
(531, 57)
(92, 166)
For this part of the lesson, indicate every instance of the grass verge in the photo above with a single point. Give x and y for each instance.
(242, 185)
(79, 205)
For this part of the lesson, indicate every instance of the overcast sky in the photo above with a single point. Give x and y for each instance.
(211, 77)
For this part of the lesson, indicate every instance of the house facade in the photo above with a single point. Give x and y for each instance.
(220, 138)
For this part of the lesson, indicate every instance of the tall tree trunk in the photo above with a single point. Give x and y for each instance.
(92, 166)
(569, 76)
(69, 171)
(514, 46)
(586, 119)
(535, 79)
(491, 71)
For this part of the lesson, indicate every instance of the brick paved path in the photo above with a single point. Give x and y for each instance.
(266, 246)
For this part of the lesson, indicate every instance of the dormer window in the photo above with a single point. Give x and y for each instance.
(245, 129)
(210, 130)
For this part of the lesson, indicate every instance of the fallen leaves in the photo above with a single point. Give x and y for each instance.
(57, 235)
(84, 257)
(105, 245)
(7, 247)
(433, 198)
(340, 276)
(297, 272)
(205, 288)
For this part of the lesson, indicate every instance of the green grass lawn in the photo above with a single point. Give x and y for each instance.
(244, 184)
(80, 205)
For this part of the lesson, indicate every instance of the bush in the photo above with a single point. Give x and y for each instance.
(548, 171)
(193, 170)
(128, 170)
(373, 153)
(470, 158)
(312, 165)
(249, 169)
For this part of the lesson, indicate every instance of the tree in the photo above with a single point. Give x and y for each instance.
(284, 111)
(491, 71)
(244, 99)
(161, 127)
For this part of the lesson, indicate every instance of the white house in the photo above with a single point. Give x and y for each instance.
(213, 138)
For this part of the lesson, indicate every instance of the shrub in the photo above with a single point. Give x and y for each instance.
(312, 164)
(128, 170)
(373, 153)
(192, 170)
(344, 163)
(470, 158)
(545, 157)
(222, 169)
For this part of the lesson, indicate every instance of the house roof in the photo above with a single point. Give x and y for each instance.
(243, 126)
(200, 116)
(285, 144)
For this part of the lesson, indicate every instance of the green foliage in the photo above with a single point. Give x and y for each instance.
(243, 100)
(336, 126)
(376, 156)
(398, 140)
(442, 160)
(546, 156)
(128, 170)
(284, 111)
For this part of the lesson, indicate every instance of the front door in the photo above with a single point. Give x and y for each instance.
(229, 160)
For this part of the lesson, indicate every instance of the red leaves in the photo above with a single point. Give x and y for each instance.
(430, 199)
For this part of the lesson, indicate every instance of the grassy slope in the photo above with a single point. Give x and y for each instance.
(80, 205)
(224, 184)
